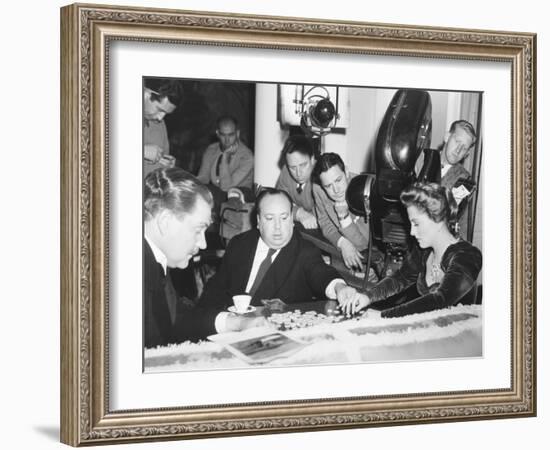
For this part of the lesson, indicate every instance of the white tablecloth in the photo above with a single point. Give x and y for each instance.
(449, 333)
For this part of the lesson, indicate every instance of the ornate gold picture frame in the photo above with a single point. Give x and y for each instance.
(87, 34)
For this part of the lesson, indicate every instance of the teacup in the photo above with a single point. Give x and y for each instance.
(241, 302)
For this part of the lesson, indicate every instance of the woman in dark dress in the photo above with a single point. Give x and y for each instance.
(443, 266)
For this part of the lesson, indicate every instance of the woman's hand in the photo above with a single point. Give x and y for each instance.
(352, 257)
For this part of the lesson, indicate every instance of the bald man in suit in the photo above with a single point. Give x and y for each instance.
(295, 269)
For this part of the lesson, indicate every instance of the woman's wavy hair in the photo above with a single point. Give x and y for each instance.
(172, 189)
(435, 200)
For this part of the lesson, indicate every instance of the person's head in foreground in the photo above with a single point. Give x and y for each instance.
(459, 140)
(177, 212)
(274, 213)
(432, 211)
(330, 172)
(160, 97)
(299, 158)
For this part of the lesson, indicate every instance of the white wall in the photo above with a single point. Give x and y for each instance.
(269, 135)
(367, 107)
(30, 226)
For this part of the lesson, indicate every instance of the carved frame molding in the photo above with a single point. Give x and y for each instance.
(86, 31)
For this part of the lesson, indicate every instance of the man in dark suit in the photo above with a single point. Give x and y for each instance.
(166, 318)
(177, 211)
(273, 262)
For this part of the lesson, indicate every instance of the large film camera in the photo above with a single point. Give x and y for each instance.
(405, 133)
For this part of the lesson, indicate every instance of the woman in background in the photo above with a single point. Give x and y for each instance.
(443, 266)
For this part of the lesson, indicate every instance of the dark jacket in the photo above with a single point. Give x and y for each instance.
(160, 326)
(461, 264)
(298, 273)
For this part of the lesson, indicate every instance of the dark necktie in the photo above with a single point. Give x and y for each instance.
(264, 267)
(218, 165)
(300, 188)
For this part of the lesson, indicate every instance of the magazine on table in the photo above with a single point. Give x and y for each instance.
(259, 345)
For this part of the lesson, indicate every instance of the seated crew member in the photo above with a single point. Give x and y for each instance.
(160, 97)
(342, 228)
(228, 163)
(273, 261)
(177, 211)
(295, 179)
(443, 266)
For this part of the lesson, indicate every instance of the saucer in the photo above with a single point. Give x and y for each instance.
(234, 310)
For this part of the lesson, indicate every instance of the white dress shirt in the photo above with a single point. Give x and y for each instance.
(157, 253)
(261, 252)
(444, 169)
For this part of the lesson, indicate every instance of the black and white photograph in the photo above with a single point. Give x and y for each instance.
(307, 224)
(292, 219)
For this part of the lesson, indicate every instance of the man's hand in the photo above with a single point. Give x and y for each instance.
(344, 293)
(349, 299)
(227, 156)
(352, 257)
(355, 303)
(152, 153)
(341, 209)
(308, 220)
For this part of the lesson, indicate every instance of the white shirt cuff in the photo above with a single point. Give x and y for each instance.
(330, 291)
(220, 322)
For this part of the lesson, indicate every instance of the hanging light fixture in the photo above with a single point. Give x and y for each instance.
(319, 115)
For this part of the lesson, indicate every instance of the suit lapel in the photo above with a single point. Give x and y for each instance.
(155, 293)
(249, 250)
